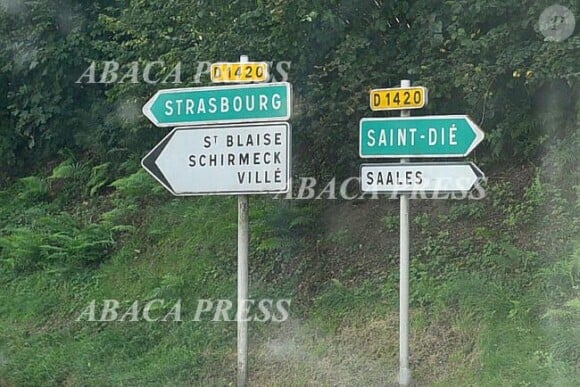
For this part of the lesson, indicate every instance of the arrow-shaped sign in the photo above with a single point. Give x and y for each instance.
(220, 104)
(236, 160)
(426, 136)
(409, 178)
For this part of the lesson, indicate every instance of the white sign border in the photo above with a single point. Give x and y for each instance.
(222, 193)
(479, 136)
(146, 110)
(478, 173)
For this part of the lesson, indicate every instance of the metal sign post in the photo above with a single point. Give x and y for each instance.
(243, 252)
(404, 371)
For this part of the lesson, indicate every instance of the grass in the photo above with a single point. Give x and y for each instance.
(44, 345)
(494, 290)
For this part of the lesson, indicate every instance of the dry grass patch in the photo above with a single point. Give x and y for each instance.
(362, 353)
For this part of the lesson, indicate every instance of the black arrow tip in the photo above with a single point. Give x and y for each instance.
(149, 162)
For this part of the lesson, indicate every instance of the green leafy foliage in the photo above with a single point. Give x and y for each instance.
(138, 184)
(100, 176)
(33, 188)
(561, 316)
(43, 46)
(56, 241)
(69, 169)
(78, 179)
(518, 94)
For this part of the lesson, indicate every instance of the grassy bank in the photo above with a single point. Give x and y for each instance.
(494, 287)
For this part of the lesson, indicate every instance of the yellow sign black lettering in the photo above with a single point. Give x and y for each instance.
(239, 72)
(398, 98)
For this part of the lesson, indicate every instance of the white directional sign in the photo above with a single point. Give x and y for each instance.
(407, 178)
(233, 160)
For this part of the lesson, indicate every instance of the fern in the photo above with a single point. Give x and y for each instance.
(21, 249)
(302, 221)
(69, 169)
(99, 178)
(58, 241)
(33, 188)
(139, 184)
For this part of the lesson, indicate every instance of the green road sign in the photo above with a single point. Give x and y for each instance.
(426, 136)
(220, 104)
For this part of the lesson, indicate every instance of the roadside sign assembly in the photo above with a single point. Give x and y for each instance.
(408, 137)
(227, 140)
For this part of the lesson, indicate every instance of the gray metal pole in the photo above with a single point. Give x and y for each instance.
(404, 370)
(243, 253)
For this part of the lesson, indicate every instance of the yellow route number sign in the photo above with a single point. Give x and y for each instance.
(398, 98)
(239, 72)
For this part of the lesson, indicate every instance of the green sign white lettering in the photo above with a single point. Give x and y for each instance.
(220, 104)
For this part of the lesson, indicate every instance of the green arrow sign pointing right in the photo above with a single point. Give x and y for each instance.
(426, 136)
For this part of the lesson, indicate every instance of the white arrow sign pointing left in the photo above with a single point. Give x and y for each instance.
(223, 160)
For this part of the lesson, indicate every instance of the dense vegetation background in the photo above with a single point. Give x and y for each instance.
(494, 282)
